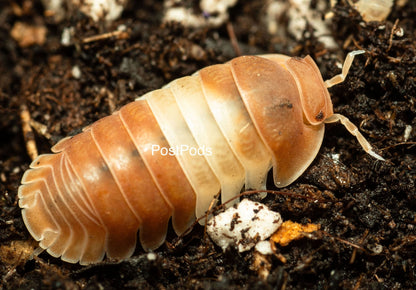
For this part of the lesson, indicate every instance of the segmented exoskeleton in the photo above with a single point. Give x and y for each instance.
(168, 154)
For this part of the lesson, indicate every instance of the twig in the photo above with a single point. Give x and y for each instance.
(233, 38)
(28, 134)
(391, 34)
(119, 34)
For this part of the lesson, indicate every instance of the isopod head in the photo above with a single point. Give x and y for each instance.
(314, 96)
(290, 107)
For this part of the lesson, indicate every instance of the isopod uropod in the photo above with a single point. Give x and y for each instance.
(171, 151)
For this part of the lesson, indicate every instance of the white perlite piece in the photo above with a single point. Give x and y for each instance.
(243, 226)
(264, 248)
(108, 10)
(214, 13)
(299, 14)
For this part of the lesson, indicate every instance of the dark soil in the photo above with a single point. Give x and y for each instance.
(366, 208)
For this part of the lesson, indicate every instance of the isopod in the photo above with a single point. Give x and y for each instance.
(167, 154)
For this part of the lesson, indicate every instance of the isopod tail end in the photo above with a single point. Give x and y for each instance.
(38, 221)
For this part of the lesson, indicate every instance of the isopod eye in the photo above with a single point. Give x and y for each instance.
(315, 98)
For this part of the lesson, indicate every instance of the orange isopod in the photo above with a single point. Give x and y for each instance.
(168, 154)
